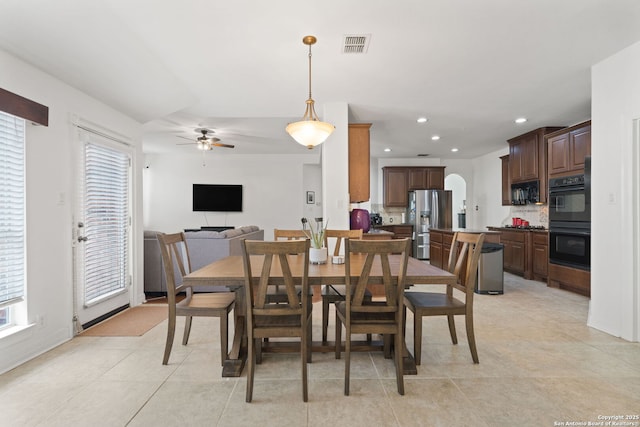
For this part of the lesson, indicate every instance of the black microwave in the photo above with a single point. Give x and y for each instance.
(523, 193)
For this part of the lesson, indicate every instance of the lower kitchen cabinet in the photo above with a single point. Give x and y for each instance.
(399, 231)
(540, 255)
(526, 252)
(440, 247)
(515, 254)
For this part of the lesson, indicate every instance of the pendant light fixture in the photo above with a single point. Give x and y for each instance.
(310, 131)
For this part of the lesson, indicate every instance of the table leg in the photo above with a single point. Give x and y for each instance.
(237, 356)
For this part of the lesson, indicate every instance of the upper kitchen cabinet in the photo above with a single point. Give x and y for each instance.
(528, 159)
(398, 180)
(395, 186)
(568, 148)
(359, 169)
(426, 178)
(506, 183)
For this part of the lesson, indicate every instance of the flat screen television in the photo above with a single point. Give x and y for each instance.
(217, 198)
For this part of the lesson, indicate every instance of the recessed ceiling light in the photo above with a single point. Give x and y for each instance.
(422, 120)
(454, 150)
(386, 150)
(435, 137)
(520, 120)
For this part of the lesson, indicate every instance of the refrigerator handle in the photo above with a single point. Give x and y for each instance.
(413, 235)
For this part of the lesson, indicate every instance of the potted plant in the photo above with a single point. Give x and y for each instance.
(317, 252)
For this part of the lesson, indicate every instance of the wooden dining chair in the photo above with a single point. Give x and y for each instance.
(463, 262)
(335, 293)
(267, 319)
(278, 293)
(373, 317)
(281, 234)
(175, 253)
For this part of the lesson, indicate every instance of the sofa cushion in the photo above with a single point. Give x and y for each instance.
(205, 235)
(232, 233)
(249, 228)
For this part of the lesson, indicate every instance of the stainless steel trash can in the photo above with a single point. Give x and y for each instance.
(490, 276)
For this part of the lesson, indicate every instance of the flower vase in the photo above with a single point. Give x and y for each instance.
(318, 255)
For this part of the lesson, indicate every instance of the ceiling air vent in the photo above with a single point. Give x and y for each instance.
(356, 43)
(423, 155)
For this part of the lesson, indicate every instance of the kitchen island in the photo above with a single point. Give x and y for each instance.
(440, 242)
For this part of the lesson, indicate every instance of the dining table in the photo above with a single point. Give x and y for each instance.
(229, 272)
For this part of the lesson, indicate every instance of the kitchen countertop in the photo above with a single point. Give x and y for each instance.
(464, 230)
(374, 231)
(391, 224)
(534, 230)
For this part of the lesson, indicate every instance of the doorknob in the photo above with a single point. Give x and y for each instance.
(82, 239)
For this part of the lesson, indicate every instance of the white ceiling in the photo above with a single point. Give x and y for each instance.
(239, 66)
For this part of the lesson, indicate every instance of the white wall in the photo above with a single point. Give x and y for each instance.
(614, 284)
(49, 203)
(485, 207)
(273, 190)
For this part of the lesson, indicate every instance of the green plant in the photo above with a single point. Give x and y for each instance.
(315, 234)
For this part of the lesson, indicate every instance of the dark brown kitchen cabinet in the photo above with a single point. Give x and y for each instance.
(435, 249)
(440, 247)
(398, 180)
(515, 254)
(506, 182)
(568, 148)
(540, 255)
(359, 169)
(528, 159)
(400, 231)
(395, 187)
(423, 178)
(526, 252)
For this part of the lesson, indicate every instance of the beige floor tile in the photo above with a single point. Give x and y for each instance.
(539, 364)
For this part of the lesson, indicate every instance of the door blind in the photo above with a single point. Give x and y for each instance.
(12, 212)
(106, 221)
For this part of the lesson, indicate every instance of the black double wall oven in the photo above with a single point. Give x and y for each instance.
(570, 221)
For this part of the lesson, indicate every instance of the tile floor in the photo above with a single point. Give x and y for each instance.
(540, 365)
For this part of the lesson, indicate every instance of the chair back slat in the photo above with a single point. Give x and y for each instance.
(377, 259)
(281, 234)
(339, 236)
(175, 254)
(275, 258)
(463, 260)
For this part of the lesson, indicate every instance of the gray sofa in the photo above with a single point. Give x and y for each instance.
(204, 248)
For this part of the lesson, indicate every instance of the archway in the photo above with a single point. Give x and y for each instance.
(458, 187)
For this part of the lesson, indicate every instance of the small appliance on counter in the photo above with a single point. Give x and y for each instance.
(376, 219)
(360, 220)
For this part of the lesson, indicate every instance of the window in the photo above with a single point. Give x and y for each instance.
(106, 221)
(12, 215)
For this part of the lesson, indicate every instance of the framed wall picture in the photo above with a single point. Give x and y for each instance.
(311, 197)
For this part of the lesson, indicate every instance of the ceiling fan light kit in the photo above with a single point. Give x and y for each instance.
(310, 131)
(205, 143)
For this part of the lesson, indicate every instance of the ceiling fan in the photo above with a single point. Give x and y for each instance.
(207, 143)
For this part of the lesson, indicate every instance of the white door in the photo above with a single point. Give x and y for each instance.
(102, 227)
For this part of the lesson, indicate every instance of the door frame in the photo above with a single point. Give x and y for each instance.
(109, 138)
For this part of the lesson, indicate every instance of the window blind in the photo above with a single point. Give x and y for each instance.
(12, 211)
(106, 216)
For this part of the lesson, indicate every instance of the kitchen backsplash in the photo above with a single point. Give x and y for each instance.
(535, 214)
(389, 215)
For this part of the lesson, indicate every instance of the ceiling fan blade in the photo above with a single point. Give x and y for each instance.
(220, 144)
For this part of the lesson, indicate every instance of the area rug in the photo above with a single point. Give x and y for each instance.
(131, 322)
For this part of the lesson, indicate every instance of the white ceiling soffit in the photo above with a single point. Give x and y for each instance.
(355, 43)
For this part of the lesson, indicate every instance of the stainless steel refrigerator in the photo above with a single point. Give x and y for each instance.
(427, 209)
